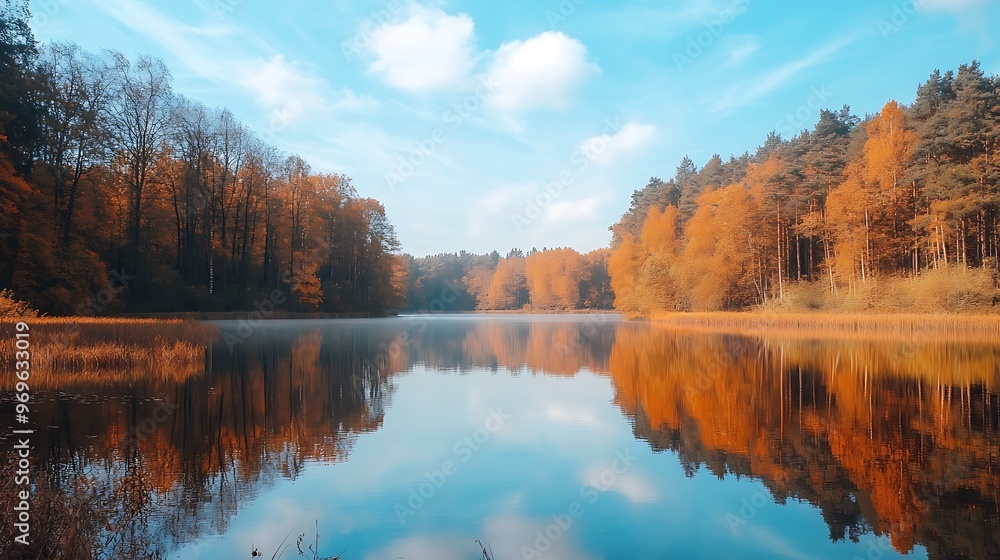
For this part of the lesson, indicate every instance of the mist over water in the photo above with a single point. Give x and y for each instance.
(556, 436)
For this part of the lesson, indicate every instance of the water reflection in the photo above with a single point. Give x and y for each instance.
(883, 437)
(900, 442)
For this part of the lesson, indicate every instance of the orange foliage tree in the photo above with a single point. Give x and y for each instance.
(554, 278)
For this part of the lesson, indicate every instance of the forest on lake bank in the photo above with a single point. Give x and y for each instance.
(119, 195)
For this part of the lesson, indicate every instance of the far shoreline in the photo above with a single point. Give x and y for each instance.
(749, 319)
(924, 327)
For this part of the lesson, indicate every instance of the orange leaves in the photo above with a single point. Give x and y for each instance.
(888, 149)
(554, 278)
(659, 231)
(623, 265)
(508, 286)
(845, 214)
(306, 284)
(641, 269)
(721, 245)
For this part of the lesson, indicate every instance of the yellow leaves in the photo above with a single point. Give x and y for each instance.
(508, 284)
(845, 213)
(659, 231)
(889, 146)
(760, 175)
(306, 284)
(623, 265)
(554, 278)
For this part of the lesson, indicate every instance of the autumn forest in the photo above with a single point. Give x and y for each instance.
(121, 195)
(897, 211)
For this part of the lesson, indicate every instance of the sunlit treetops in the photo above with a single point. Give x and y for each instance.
(850, 204)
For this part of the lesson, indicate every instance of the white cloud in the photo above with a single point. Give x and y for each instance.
(636, 490)
(579, 416)
(348, 100)
(507, 535)
(423, 547)
(633, 488)
(430, 50)
(573, 211)
(284, 88)
(606, 149)
(541, 71)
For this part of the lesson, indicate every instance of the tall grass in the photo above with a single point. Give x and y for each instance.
(65, 351)
(952, 289)
(924, 327)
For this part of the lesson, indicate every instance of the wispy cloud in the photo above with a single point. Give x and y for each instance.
(960, 8)
(747, 92)
(286, 89)
(680, 18)
(745, 47)
(188, 43)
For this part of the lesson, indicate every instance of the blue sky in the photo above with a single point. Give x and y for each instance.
(528, 123)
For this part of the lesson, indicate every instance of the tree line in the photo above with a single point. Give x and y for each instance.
(117, 193)
(911, 192)
(560, 279)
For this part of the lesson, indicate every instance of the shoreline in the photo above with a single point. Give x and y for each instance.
(925, 327)
(745, 322)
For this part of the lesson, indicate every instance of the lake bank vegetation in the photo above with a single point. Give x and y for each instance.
(72, 352)
(895, 212)
(118, 194)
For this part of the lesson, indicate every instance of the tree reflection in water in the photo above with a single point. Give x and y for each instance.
(885, 438)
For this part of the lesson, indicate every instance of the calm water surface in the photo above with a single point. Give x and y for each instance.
(556, 437)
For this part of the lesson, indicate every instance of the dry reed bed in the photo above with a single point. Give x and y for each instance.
(65, 351)
(907, 327)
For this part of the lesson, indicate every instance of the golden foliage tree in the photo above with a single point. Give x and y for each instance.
(509, 284)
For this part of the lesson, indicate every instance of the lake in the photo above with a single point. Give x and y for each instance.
(551, 436)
